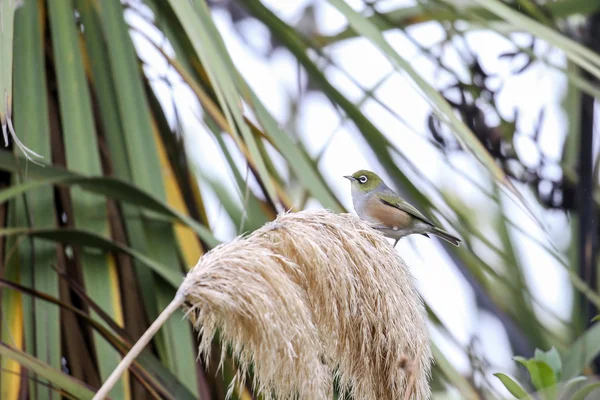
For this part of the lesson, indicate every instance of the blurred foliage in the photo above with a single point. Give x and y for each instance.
(545, 371)
(94, 242)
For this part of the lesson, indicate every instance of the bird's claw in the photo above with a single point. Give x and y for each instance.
(379, 227)
(383, 227)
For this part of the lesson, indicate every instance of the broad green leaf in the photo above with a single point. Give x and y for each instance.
(169, 24)
(584, 392)
(63, 381)
(37, 207)
(8, 10)
(189, 245)
(102, 81)
(131, 101)
(117, 330)
(7, 14)
(107, 186)
(542, 377)
(182, 190)
(513, 386)
(575, 381)
(90, 239)
(11, 326)
(582, 352)
(150, 367)
(89, 210)
(552, 358)
(114, 187)
(144, 148)
(572, 385)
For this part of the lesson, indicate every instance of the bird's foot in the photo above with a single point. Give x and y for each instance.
(379, 227)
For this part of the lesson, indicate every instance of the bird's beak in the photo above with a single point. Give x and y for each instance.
(350, 177)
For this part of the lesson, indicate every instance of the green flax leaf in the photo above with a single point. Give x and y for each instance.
(63, 381)
(513, 386)
(143, 149)
(81, 149)
(36, 208)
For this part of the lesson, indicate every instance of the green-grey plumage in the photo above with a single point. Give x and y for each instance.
(375, 202)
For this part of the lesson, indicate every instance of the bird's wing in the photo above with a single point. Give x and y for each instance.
(403, 205)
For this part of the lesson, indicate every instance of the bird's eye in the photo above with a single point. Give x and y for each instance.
(362, 179)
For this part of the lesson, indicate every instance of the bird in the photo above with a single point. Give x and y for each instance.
(389, 213)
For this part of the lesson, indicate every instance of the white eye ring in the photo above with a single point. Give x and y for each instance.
(363, 179)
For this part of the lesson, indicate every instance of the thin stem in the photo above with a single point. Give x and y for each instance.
(139, 346)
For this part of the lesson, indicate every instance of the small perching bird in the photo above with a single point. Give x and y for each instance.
(393, 216)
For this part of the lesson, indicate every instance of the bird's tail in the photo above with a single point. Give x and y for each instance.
(446, 236)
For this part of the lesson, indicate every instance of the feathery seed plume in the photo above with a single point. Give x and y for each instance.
(308, 297)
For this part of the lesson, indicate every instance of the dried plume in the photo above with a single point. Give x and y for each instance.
(308, 297)
(309, 294)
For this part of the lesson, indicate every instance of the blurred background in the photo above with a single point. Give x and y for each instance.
(142, 133)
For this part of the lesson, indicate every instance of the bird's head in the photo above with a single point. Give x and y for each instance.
(364, 181)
